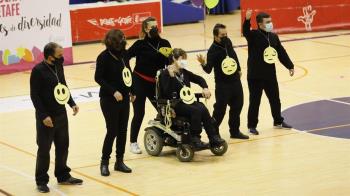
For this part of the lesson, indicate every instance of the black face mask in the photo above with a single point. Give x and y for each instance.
(121, 46)
(58, 61)
(224, 40)
(154, 33)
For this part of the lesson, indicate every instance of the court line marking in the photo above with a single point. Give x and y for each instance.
(29, 177)
(74, 171)
(306, 72)
(324, 58)
(229, 143)
(314, 135)
(318, 98)
(330, 127)
(105, 183)
(5, 193)
(329, 43)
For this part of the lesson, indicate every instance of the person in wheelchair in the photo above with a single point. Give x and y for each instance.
(175, 83)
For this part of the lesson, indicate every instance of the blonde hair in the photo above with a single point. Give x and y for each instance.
(144, 25)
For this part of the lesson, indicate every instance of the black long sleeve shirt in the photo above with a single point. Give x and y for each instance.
(216, 54)
(108, 73)
(257, 43)
(169, 85)
(148, 59)
(42, 85)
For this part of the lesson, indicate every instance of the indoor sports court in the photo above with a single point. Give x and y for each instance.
(312, 158)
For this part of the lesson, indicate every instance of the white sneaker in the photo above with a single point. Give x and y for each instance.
(134, 148)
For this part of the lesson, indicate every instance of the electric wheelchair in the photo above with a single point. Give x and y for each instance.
(167, 129)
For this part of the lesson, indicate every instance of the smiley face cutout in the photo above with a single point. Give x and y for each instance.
(166, 51)
(127, 77)
(229, 66)
(187, 95)
(270, 55)
(61, 94)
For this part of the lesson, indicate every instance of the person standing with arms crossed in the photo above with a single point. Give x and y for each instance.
(264, 50)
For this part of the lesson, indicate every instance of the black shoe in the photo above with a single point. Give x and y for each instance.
(71, 181)
(216, 141)
(43, 188)
(198, 144)
(283, 125)
(104, 168)
(239, 135)
(253, 131)
(120, 166)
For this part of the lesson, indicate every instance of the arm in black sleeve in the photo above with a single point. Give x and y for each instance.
(132, 88)
(197, 79)
(70, 101)
(235, 57)
(210, 63)
(35, 88)
(99, 76)
(132, 51)
(167, 44)
(283, 56)
(247, 33)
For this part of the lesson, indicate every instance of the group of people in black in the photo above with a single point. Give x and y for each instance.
(119, 85)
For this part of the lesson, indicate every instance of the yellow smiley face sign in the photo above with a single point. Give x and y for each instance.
(187, 95)
(229, 66)
(127, 77)
(270, 55)
(62, 94)
(166, 51)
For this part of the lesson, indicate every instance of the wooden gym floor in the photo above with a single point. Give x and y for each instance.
(277, 162)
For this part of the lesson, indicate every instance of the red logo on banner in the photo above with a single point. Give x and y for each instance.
(291, 16)
(123, 23)
(91, 24)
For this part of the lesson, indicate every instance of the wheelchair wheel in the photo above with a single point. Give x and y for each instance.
(153, 141)
(219, 150)
(185, 153)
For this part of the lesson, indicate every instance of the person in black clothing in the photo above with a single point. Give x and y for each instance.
(148, 61)
(114, 76)
(228, 86)
(49, 94)
(264, 50)
(173, 80)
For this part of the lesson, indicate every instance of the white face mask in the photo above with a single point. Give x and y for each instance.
(269, 27)
(182, 63)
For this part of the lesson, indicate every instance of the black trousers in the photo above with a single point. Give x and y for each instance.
(44, 138)
(198, 114)
(116, 116)
(142, 89)
(256, 87)
(231, 95)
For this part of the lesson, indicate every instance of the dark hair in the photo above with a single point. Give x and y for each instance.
(144, 26)
(113, 38)
(217, 27)
(260, 17)
(50, 49)
(176, 54)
